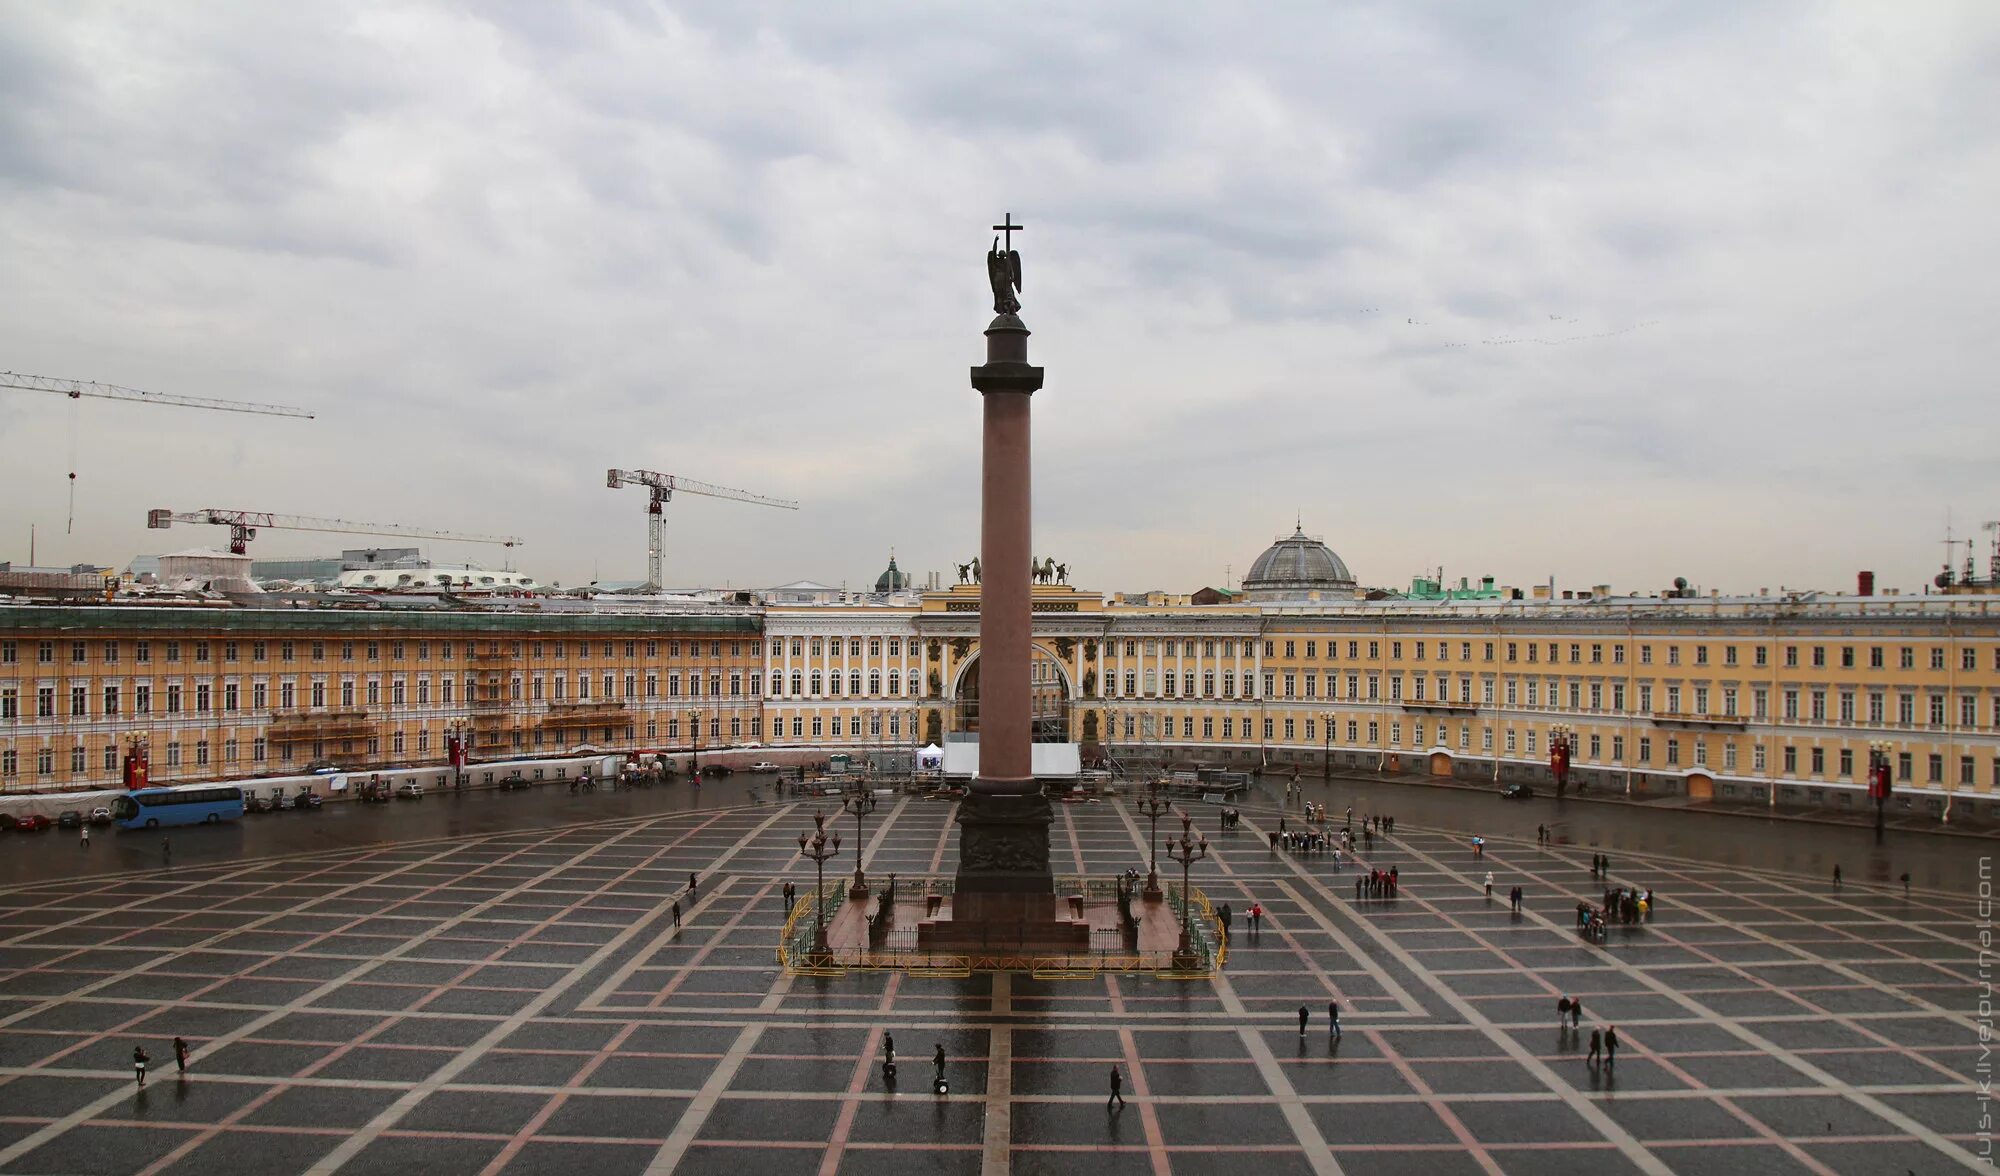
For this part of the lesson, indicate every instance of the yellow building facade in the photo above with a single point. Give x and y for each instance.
(1759, 699)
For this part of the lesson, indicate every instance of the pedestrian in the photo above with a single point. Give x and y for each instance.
(937, 1060)
(85, 843)
(889, 1048)
(1605, 868)
(166, 852)
(1611, 1046)
(1357, 888)
(1256, 916)
(181, 1054)
(1562, 1012)
(1906, 884)
(1836, 867)
(677, 912)
(139, 1060)
(1596, 1046)
(1333, 1019)
(1489, 886)
(1575, 1013)
(1117, 1090)
(1302, 1020)
(694, 885)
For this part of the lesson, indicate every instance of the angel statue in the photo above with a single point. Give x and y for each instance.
(1003, 270)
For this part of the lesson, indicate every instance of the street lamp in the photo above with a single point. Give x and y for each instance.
(858, 804)
(1878, 779)
(1190, 848)
(1326, 751)
(1562, 738)
(1153, 808)
(819, 846)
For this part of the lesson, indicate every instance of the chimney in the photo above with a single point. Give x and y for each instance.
(1865, 584)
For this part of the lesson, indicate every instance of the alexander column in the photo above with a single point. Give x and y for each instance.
(1005, 893)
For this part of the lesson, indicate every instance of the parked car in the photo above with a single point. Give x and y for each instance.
(1517, 792)
(252, 803)
(764, 766)
(100, 815)
(716, 769)
(308, 800)
(32, 823)
(8, 821)
(512, 782)
(409, 790)
(279, 801)
(70, 819)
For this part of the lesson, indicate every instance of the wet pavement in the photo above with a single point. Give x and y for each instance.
(490, 986)
(341, 825)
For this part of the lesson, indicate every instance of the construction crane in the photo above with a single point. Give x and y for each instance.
(663, 487)
(244, 524)
(1993, 560)
(76, 389)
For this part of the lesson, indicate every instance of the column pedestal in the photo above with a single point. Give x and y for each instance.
(1004, 898)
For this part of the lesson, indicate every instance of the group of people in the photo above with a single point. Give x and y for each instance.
(141, 1059)
(1603, 1042)
(1622, 905)
(1230, 818)
(1377, 883)
(1307, 841)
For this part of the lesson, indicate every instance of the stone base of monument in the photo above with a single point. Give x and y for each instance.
(1003, 911)
(1004, 897)
(1024, 924)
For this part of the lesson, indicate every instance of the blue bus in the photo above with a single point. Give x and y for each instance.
(150, 808)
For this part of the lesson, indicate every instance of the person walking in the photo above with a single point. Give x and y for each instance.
(1333, 1019)
(677, 912)
(1489, 886)
(1117, 1090)
(181, 1054)
(1596, 1046)
(139, 1060)
(937, 1060)
(1610, 1046)
(84, 842)
(166, 852)
(1906, 884)
(1575, 1013)
(1836, 875)
(889, 1048)
(1562, 1012)
(1303, 1014)
(694, 886)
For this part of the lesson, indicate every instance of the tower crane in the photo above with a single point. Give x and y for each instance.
(663, 487)
(76, 389)
(244, 524)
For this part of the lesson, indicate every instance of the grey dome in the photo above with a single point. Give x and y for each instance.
(892, 580)
(1295, 566)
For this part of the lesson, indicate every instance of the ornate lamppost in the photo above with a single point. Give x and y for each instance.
(1153, 808)
(1188, 849)
(1879, 779)
(820, 846)
(1562, 740)
(858, 804)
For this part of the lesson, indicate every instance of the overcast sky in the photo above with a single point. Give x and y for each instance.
(1610, 292)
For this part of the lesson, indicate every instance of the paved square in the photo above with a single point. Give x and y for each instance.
(523, 1002)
